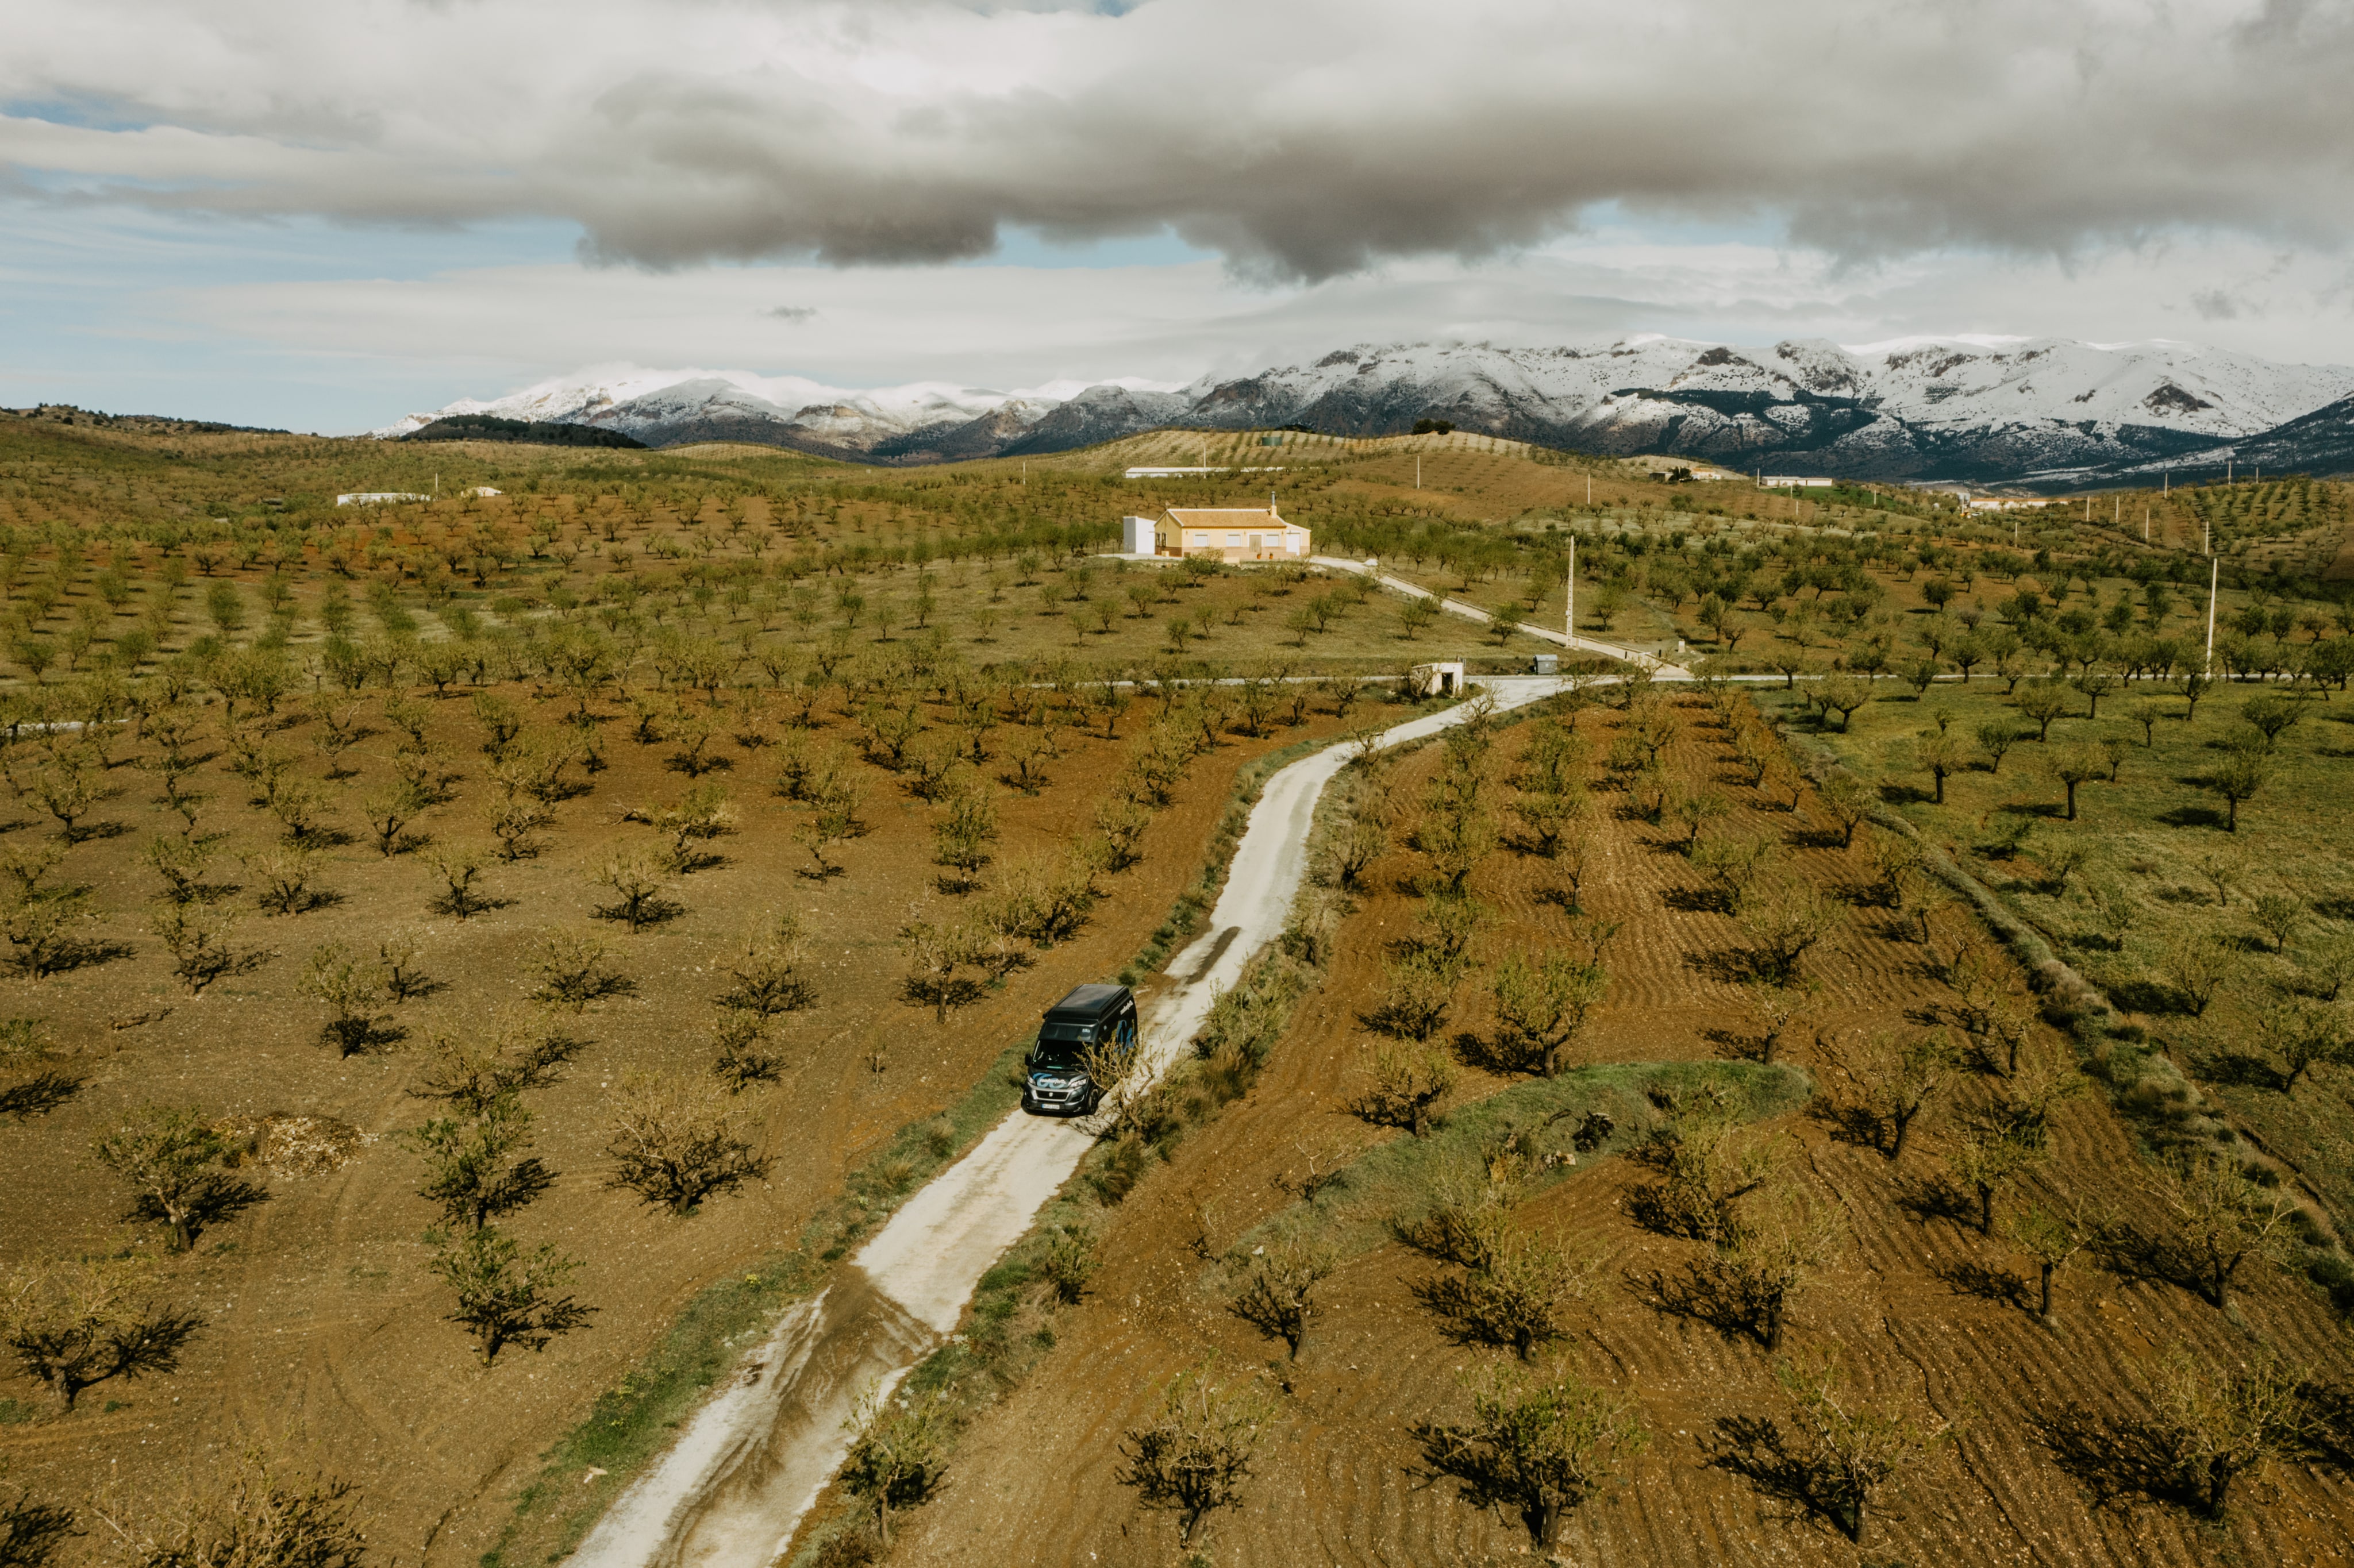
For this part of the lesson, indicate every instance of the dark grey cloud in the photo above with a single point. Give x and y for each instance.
(1300, 141)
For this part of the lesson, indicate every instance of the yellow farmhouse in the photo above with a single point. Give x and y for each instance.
(1229, 533)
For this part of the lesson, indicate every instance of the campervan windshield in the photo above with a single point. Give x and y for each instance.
(1060, 1046)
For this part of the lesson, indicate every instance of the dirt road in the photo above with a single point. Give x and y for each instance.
(732, 1489)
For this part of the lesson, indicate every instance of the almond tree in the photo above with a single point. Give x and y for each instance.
(1542, 1444)
(1903, 1080)
(171, 1160)
(573, 972)
(73, 1325)
(2221, 1423)
(353, 990)
(2052, 1238)
(676, 1142)
(506, 1296)
(1195, 1454)
(477, 1167)
(1278, 1287)
(2223, 1219)
(767, 972)
(1772, 1244)
(32, 1532)
(1542, 1005)
(638, 881)
(1848, 1449)
(1518, 1289)
(1404, 1082)
(254, 1513)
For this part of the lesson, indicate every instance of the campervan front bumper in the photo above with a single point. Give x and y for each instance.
(1057, 1096)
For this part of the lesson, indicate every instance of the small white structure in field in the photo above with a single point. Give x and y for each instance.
(1136, 536)
(1439, 680)
(1792, 482)
(378, 498)
(484, 490)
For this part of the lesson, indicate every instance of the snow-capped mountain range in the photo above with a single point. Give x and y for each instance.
(1974, 409)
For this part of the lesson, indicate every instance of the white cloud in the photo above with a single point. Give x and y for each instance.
(1307, 140)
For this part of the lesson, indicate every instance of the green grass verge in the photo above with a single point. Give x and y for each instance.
(1397, 1183)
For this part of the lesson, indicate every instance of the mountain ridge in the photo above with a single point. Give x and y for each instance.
(2050, 412)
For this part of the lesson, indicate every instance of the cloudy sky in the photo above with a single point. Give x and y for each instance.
(324, 213)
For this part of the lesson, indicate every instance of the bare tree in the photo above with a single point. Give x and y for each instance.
(1195, 1454)
(573, 971)
(676, 1142)
(899, 1451)
(1542, 1004)
(354, 990)
(1277, 1288)
(459, 870)
(255, 1513)
(1403, 1081)
(1542, 1444)
(76, 1324)
(506, 1296)
(171, 1160)
(1849, 1450)
(2222, 1422)
(477, 1167)
(1903, 1079)
(2223, 1218)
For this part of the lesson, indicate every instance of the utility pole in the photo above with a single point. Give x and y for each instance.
(1569, 612)
(2213, 567)
(1417, 470)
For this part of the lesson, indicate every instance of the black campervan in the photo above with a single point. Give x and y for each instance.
(1056, 1080)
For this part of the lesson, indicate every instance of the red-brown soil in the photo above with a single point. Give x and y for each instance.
(323, 1333)
(1920, 1312)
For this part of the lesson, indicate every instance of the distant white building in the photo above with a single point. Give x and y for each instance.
(1230, 534)
(378, 497)
(484, 490)
(1792, 482)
